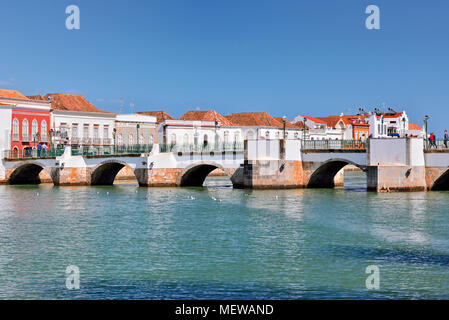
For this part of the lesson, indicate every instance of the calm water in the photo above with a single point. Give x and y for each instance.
(151, 243)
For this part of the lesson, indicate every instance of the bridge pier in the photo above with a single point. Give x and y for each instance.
(391, 178)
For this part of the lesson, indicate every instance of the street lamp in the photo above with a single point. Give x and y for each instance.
(426, 119)
(138, 142)
(283, 123)
(304, 134)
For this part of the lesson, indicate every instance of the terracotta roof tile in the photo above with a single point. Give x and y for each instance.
(12, 94)
(314, 119)
(160, 115)
(68, 102)
(288, 124)
(254, 119)
(209, 115)
(413, 126)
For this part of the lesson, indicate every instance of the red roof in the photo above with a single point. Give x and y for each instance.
(288, 124)
(254, 119)
(69, 102)
(210, 115)
(316, 120)
(12, 94)
(413, 126)
(389, 115)
(160, 115)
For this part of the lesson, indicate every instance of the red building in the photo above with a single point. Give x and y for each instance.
(29, 122)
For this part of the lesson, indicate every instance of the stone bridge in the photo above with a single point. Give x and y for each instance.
(389, 164)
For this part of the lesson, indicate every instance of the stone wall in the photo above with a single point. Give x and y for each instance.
(396, 178)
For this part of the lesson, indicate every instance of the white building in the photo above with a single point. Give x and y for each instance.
(132, 129)
(76, 122)
(260, 126)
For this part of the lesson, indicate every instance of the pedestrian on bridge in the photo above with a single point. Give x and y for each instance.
(432, 140)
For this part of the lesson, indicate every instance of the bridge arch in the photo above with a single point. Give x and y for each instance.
(106, 172)
(442, 183)
(324, 175)
(28, 172)
(195, 174)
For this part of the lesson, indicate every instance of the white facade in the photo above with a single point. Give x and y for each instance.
(5, 128)
(191, 132)
(385, 125)
(270, 133)
(82, 128)
(132, 129)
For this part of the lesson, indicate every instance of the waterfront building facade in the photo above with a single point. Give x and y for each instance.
(77, 123)
(25, 124)
(135, 129)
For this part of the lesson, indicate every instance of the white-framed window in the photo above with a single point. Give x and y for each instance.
(86, 131)
(237, 136)
(34, 127)
(44, 129)
(185, 139)
(226, 137)
(151, 139)
(130, 140)
(250, 135)
(74, 131)
(25, 128)
(120, 139)
(15, 130)
(141, 139)
(173, 139)
(205, 140)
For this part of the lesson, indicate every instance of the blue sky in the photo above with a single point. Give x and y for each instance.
(283, 57)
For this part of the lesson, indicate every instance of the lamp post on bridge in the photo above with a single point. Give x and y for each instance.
(304, 134)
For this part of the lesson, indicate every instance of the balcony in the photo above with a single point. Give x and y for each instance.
(87, 141)
(107, 142)
(15, 137)
(75, 141)
(97, 141)
(25, 138)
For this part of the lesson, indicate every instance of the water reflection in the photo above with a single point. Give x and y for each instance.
(217, 242)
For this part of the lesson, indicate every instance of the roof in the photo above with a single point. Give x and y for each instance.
(389, 115)
(316, 120)
(209, 115)
(254, 119)
(413, 126)
(300, 125)
(12, 94)
(160, 115)
(288, 124)
(69, 102)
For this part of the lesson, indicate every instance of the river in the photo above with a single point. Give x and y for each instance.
(215, 242)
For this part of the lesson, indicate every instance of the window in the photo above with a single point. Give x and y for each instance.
(74, 131)
(44, 129)
(267, 134)
(237, 137)
(130, 140)
(120, 139)
(105, 132)
(277, 135)
(250, 135)
(226, 137)
(96, 132)
(173, 138)
(15, 152)
(151, 139)
(86, 131)
(34, 128)
(15, 130)
(205, 138)
(141, 139)
(25, 130)
(296, 135)
(186, 139)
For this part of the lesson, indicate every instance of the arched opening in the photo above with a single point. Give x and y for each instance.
(112, 172)
(337, 173)
(196, 176)
(442, 183)
(26, 174)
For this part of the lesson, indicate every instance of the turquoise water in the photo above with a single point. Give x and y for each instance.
(219, 243)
